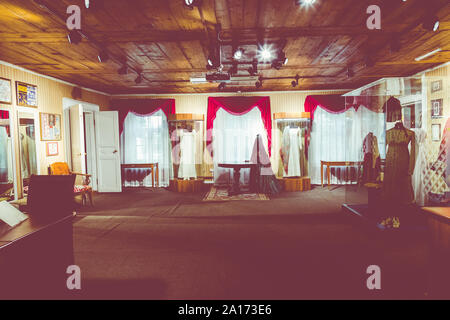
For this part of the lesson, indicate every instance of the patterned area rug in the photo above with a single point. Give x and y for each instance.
(221, 194)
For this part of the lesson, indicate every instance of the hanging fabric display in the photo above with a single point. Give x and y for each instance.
(421, 176)
(187, 155)
(393, 110)
(371, 160)
(292, 146)
(4, 171)
(262, 178)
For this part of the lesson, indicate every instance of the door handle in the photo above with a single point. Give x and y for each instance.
(115, 151)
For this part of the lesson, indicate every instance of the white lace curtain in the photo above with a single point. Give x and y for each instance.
(145, 139)
(233, 140)
(339, 137)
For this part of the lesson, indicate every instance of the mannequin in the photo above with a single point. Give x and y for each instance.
(372, 162)
(290, 152)
(397, 185)
(187, 154)
(3, 155)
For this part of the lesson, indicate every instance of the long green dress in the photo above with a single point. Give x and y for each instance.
(397, 185)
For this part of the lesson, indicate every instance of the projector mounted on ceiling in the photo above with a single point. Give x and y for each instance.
(218, 77)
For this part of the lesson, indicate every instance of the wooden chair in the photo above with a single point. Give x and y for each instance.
(62, 168)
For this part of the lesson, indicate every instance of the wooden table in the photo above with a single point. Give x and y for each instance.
(439, 266)
(34, 257)
(439, 222)
(330, 164)
(152, 166)
(236, 166)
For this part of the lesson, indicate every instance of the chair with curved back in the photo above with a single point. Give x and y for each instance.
(84, 189)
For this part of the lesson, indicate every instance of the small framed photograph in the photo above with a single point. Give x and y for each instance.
(52, 149)
(50, 126)
(436, 86)
(436, 132)
(437, 108)
(5, 91)
(26, 95)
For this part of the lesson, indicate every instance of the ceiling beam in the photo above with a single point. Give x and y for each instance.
(249, 36)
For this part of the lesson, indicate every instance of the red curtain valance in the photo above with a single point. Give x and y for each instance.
(4, 114)
(339, 104)
(142, 107)
(239, 106)
(331, 103)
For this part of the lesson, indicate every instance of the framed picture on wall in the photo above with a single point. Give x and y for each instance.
(26, 95)
(52, 149)
(436, 132)
(437, 108)
(436, 86)
(5, 91)
(50, 126)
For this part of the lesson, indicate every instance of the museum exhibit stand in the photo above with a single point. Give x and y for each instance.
(187, 140)
(293, 132)
(402, 150)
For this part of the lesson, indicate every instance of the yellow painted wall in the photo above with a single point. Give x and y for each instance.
(50, 100)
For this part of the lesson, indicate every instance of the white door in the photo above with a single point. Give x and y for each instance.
(91, 154)
(108, 155)
(78, 147)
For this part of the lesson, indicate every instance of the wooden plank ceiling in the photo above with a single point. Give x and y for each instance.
(169, 43)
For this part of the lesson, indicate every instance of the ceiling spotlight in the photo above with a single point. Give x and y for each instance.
(222, 86)
(295, 82)
(93, 4)
(305, 3)
(190, 4)
(431, 23)
(123, 70)
(74, 37)
(253, 70)
(259, 83)
(213, 61)
(234, 69)
(138, 80)
(238, 54)
(103, 56)
(279, 61)
(265, 53)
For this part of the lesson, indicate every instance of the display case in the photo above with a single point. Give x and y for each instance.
(291, 144)
(6, 158)
(187, 138)
(396, 131)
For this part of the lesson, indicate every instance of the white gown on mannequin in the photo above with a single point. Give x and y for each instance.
(10, 162)
(421, 169)
(3, 155)
(294, 153)
(187, 155)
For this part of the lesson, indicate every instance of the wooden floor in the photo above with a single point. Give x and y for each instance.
(158, 245)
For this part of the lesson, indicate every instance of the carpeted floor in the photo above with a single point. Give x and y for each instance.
(144, 244)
